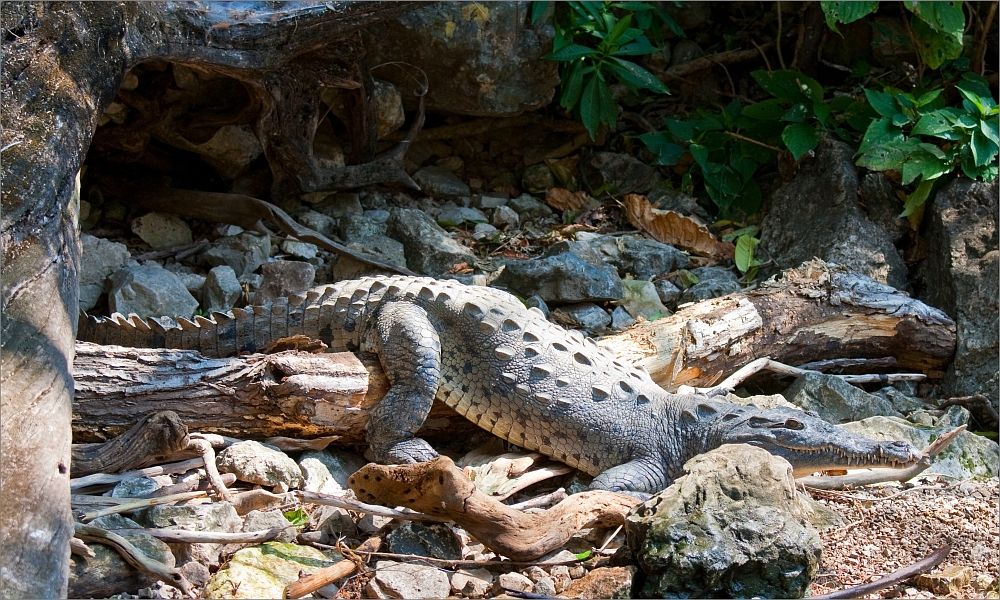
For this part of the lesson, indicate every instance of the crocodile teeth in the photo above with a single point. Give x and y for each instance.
(504, 352)
(140, 323)
(186, 324)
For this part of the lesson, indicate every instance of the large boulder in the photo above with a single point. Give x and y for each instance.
(733, 527)
(818, 215)
(150, 291)
(960, 276)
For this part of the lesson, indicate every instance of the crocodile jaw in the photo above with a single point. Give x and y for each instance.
(870, 454)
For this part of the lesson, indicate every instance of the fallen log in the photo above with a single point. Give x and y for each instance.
(813, 311)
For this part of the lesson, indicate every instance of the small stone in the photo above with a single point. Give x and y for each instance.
(560, 574)
(435, 540)
(487, 202)
(404, 580)
(254, 462)
(440, 182)
(370, 523)
(317, 221)
(545, 586)
(620, 319)
(473, 583)
(584, 315)
(161, 230)
(505, 216)
(226, 230)
(221, 289)
(602, 582)
(231, 150)
(485, 231)
(150, 291)
(516, 582)
(537, 178)
(300, 249)
(577, 571)
(134, 487)
(327, 471)
(528, 207)
(668, 292)
(100, 259)
(946, 582)
(455, 216)
(285, 277)
(260, 520)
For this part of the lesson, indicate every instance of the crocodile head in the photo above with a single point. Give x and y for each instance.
(811, 444)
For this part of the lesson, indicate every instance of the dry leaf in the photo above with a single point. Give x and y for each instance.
(673, 228)
(563, 199)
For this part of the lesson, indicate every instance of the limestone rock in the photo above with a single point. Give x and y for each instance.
(263, 571)
(560, 278)
(603, 582)
(162, 230)
(221, 290)
(439, 182)
(254, 462)
(836, 400)
(327, 471)
(435, 540)
(150, 291)
(429, 249)
(100, 259)
(284, 277)
(733, 526)
(404, 580)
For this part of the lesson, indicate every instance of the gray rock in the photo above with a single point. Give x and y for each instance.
(404, 580)
(620, 319)
(364, 226)
(485, 231)
(303, 250)
(107, 573)
(712, 283)
(150, 291)
(618, 173)
(669, 293)
(134, 487)
(960, 276)
(488, 202)
(337, 523)
(435, 540)
(261, 520)
(529, 207)
(382, 248)
(439, 182)
(483, 60)
(217, 516)
(370, 523)
(100, 259)
(284, 277)
(429, 249)
(641, 300)
(221, 290)
(880, 203)
(327, 471)
(504, 217)
(515, 581)
(254, 462)
(537, 178)
(244, 253)
(161, 230)
(317, 221)
(584, 315)
(968, 456)
(633, 255)
(901, 403)
(817, 214)
(537, 303)
(263, 571)
(231, 150)
(561, 278)
(544, 586)
(453, 216)
(194, 282)
(734, 526)
(602, 582)
(471, 583)
(836, 400)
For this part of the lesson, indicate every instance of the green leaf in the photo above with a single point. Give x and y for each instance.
(680, 129)
(766, 110)
(590, 109)
(746, 248)
(928, 97)
(944, 17)
(789, 85)
(573, 85)
(297, 516)
(880, 133)
(883, 103)
(539, 9)
(640, 47)
(984, 103)
(934, 46)
(885, 157)
(635, 76)
(846, 11)
(991, 129)
(916, 199)
(666, 151)
(983, 149)
(796, 114)
(584, 555)
(571, 52)
(800, 138)
(924, 165)
(619, 28)
(939, 123)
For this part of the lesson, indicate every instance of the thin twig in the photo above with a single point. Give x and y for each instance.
(134, 556)
(141, 503)
(204, 447)
(107, 479)
(184, 536)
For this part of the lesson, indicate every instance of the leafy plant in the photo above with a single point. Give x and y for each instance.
(595, 41)
(297, 517)
(729, 147)
(745, 255)
(920, 137)
(936, 27)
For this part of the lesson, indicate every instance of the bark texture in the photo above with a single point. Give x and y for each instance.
(62, 64)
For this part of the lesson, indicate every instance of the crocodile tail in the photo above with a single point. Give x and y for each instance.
(237, 331)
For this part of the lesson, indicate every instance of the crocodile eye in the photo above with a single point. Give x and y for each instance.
(793, 424)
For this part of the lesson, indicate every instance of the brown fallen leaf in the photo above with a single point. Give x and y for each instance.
(563, 199)
(673, 228)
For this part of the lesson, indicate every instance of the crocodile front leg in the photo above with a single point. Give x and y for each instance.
(640, 477)
(410, 352)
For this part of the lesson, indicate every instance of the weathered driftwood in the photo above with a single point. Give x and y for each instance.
(155, 436)
(814, 311)
(440, 488)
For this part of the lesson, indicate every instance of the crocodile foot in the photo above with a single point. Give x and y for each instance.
(412, 450)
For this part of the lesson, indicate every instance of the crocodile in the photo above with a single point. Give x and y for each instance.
(511, 372)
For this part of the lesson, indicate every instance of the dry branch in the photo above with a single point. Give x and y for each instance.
(440, 488)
